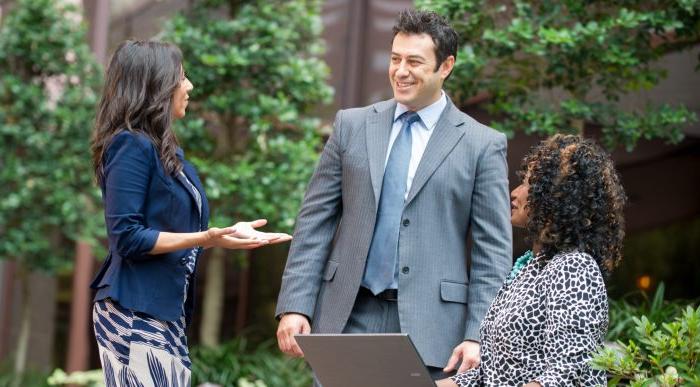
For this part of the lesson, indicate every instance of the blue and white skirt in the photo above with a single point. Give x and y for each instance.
(137, 350)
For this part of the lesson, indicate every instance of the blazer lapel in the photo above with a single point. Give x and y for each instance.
(378, 129)
(448, 130)
(189, 171)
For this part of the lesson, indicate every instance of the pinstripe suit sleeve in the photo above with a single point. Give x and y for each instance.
(491, 252)
(315, 227)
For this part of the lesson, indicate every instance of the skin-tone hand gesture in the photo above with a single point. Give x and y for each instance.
(468, 353)
(227, 238)
(291, 324)
(445, 383)
(248, 230)
(243, 235)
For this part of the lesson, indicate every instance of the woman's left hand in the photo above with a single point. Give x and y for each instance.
(248, 230)
(532, 384)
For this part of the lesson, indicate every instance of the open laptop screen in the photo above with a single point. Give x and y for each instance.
(364, 360)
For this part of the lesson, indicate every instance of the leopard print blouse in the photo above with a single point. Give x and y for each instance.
(544, 325)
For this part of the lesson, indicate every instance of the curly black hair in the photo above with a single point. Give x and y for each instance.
(575, 199)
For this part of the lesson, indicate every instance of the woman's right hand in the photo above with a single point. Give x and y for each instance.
(243, 235)
(227, 238)
(248, 230)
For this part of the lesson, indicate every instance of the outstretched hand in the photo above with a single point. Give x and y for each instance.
(243, 236)
(248, 230)
(226, 238)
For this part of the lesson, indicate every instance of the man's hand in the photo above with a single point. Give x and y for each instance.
(290, 325)
(468, 352)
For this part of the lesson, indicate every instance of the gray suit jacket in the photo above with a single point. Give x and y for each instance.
(461, 183)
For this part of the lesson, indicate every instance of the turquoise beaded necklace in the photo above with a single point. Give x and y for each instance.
(519, 264)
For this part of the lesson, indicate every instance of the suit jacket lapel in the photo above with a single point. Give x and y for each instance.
(378, 128)
(448, 130)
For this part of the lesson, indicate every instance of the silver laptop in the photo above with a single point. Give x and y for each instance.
(364, 360)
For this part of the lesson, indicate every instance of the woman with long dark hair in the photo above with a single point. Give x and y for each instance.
(552, 311)
(157, 217)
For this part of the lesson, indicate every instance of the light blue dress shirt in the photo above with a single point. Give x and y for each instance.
(420, 133)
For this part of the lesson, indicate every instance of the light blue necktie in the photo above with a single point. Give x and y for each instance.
(383, 251)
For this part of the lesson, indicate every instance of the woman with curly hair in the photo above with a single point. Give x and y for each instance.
(552, 311)
(157, 217)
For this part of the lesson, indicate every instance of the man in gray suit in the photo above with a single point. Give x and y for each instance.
(380, 244)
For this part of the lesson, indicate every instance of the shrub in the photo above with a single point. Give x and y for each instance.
(49, 84)
(659, 355)
(92, 378)
(233, 363)
(565, 66)
(656, 309)
(229, 364)
(251, 128)
(28, 378)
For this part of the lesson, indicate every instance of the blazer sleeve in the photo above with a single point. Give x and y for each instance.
(315, 228)
(491, 253)
(127, 173)
(577, 315)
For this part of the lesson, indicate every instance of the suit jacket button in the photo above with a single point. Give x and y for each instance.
(405, 270)
(406, 222)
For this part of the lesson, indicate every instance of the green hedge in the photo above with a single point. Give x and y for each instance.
(653, 342)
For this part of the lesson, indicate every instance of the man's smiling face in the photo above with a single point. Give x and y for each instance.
(412, 70)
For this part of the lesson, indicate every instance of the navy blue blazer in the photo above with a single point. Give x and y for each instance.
(141, 200)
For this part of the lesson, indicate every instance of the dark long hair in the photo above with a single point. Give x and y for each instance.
(575, 199)
(140, 81)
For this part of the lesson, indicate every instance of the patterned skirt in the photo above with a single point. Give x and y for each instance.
(137, 350)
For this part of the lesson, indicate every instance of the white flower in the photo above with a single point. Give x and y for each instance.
(70, 56)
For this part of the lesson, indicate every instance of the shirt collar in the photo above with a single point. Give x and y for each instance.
(429, 115)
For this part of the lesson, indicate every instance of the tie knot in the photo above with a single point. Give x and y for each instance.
(410, 117)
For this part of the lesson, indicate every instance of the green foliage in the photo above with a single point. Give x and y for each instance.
(257, 76)
(663, 354)
(233, 363)
(625, 310)
(48, 92)
(657, 341)
(29, 378)
(92, 378)
(557, 66)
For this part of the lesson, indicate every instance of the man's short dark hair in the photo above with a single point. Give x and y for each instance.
(444, 36)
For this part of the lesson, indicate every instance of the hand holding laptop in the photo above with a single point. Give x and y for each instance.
(292, 324)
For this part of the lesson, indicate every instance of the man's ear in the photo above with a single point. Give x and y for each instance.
(446, 67)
